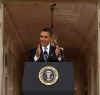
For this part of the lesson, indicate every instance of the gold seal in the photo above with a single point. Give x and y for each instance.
(48, 75)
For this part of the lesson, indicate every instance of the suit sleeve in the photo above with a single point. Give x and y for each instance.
(60, 57)
(32, 53)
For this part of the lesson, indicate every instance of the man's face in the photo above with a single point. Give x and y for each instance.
(44, 38)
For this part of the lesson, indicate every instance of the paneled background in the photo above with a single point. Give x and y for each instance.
(75, 25)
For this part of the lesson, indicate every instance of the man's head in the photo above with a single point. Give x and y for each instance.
(45, 36)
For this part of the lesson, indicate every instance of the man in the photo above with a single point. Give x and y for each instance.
(45, 51)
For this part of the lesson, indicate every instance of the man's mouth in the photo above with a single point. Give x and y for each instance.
(43, 41)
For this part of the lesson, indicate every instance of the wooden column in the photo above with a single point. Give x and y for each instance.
(98, 77)
(1, 47)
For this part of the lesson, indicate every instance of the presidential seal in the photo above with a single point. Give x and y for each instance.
(48, 75)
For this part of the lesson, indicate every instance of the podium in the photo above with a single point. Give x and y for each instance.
(32, 85)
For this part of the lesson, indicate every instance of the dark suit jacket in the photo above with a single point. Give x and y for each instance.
(51, 57)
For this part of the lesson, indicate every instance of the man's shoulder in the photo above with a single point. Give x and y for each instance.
(33, 49)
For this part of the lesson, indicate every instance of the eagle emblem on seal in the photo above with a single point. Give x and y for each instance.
(48, 75)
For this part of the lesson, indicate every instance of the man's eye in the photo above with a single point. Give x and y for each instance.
(41, 36)
(46, 37)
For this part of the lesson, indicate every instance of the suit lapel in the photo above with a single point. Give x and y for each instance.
(41, 55)
(51, 53)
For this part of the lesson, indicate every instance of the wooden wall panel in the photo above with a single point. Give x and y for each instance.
(75, 26)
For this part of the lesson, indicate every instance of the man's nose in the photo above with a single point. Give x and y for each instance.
(43, 38)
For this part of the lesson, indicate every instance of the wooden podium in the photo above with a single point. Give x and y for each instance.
(52, 78)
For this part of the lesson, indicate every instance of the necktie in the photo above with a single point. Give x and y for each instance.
(45, 54)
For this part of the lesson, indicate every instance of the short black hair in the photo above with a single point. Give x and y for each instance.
(48, 29)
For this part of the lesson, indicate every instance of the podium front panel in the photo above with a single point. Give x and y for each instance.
(32, 86)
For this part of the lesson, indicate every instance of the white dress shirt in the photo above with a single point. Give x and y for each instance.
(43, 48)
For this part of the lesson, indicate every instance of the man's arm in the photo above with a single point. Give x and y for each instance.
(31, 54)
(59, 53)
(37, 54)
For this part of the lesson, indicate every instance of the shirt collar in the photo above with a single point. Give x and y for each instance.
(48, 48)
